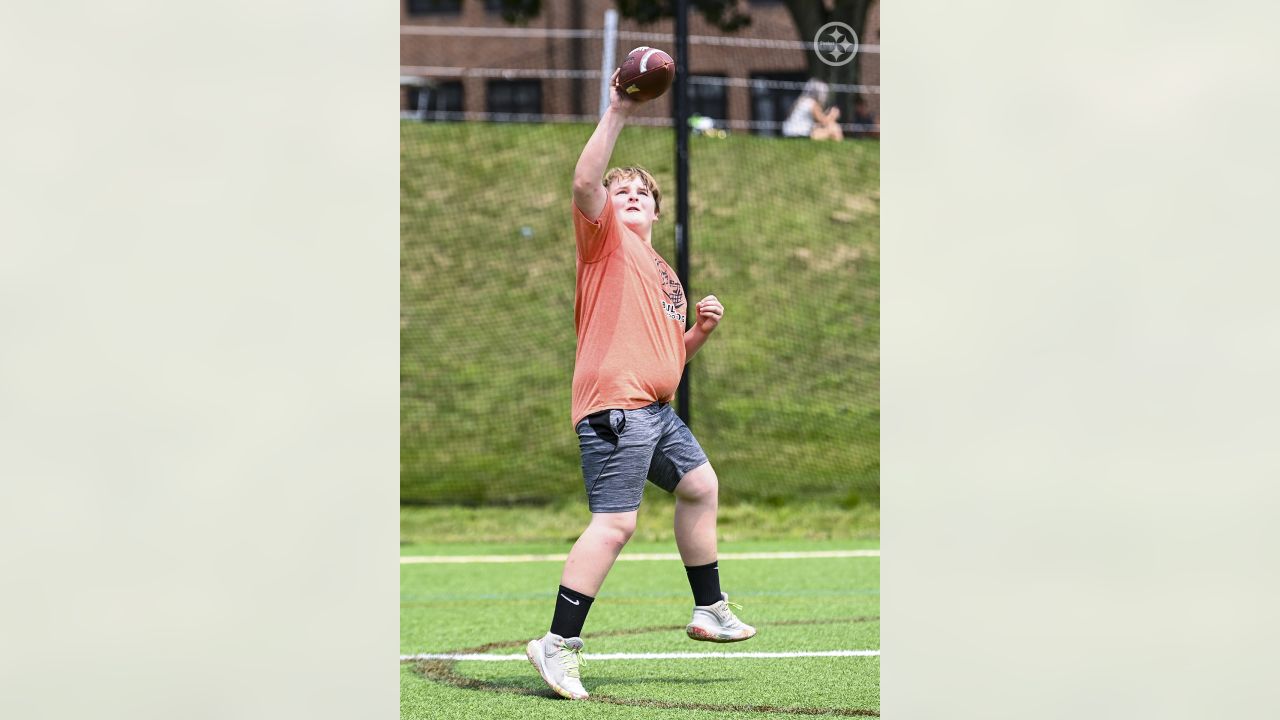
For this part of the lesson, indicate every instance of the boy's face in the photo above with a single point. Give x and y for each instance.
(633, 203)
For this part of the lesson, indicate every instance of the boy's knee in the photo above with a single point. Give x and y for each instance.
(619, 536)
(699, 485)
(618, 530)
(626, 531)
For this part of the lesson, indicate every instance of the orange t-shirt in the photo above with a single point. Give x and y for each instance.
(629, 311)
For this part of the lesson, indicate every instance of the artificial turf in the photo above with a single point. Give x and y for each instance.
(796, 605)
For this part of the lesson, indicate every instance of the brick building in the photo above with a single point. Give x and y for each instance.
(454, 69)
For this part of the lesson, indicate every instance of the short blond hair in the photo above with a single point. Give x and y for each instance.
(630, 173)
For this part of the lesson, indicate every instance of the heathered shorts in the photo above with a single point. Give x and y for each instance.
(621, 448)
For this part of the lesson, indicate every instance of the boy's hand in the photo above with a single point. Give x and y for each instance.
(709, 313)
(619, 100)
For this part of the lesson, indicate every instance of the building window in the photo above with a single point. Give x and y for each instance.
(409, 97)
(446, 98)
(433, 7)
(708, 98)
(515, 97)
(427, 100)
(493, 6)
(770, 105)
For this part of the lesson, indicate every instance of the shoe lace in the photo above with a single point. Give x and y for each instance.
(571, 658)
(730, 619)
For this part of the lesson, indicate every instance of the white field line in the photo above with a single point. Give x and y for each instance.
(468, 559)
(650, 656)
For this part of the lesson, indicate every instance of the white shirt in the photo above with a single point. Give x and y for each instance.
(800, 123)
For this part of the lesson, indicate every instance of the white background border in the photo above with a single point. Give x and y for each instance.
(198, 345)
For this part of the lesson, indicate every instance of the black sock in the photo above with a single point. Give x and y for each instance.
(705, 582)
(571, 612)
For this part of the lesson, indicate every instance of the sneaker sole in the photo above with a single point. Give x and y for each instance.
(531, 651)
(698, 633)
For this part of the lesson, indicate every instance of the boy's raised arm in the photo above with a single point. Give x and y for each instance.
(588, 193)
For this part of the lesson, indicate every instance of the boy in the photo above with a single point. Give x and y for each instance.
(629, 312)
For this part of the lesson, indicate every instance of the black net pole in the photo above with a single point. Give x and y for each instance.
(681, 106)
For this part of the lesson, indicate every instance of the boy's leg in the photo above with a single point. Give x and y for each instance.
(596, 549)
(556, 655)
(614, 460)
(680, 467)
(697, 501)
(616, 446)
(584, 571)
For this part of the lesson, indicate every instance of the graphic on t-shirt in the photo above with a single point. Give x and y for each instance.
(672, 290)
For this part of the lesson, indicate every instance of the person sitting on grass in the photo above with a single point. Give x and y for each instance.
(808, 119)
(629, 312)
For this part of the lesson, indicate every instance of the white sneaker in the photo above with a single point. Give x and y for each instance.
(557, 659)
(717, 623)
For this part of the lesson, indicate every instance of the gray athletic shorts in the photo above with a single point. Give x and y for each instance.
(621, 448)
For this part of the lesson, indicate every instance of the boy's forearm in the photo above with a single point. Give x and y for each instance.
(595, 156)
(694, 339)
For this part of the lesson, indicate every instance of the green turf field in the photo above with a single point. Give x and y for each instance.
(797, 605)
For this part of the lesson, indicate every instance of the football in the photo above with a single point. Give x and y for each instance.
(646, 73)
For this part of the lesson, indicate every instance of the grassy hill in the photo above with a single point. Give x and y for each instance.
(785, 395)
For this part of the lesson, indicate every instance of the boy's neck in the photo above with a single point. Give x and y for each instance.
(645, 237)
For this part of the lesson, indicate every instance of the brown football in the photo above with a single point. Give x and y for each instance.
(646, 73)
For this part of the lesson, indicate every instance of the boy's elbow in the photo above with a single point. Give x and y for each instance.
(582, 183)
